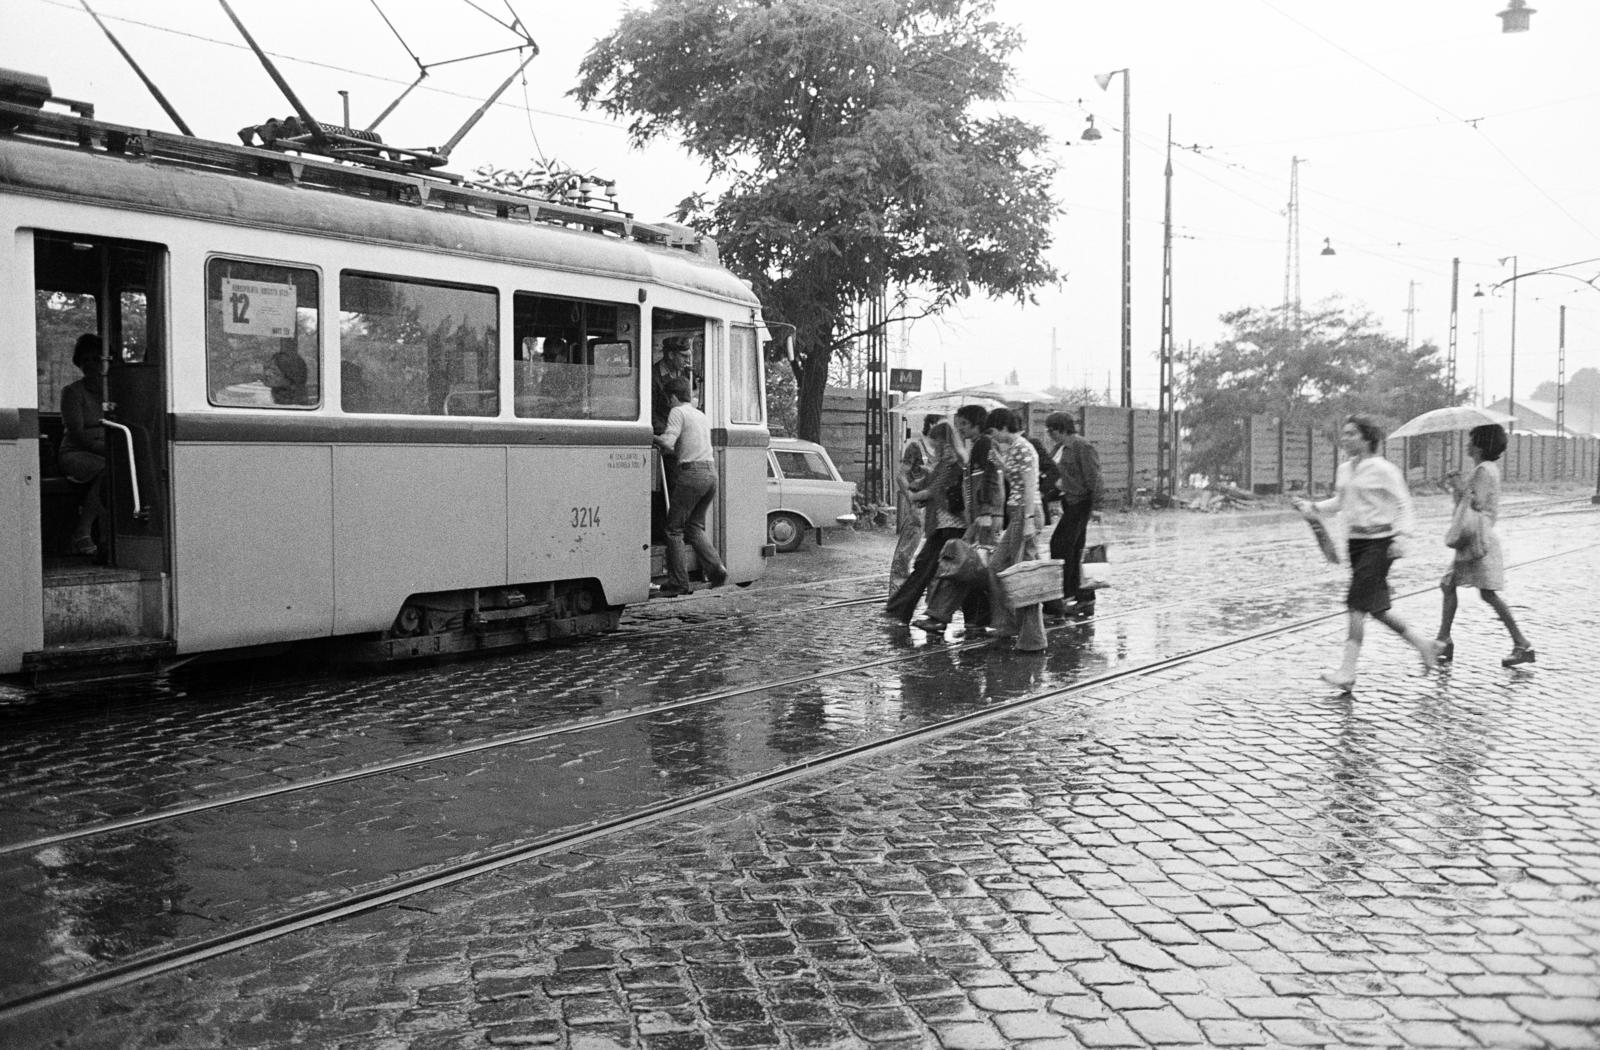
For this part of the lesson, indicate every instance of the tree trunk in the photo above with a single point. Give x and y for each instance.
(812, 380)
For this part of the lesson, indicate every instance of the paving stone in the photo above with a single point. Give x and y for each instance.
(1163, 1027)
(970, 1036)
(1195, 817)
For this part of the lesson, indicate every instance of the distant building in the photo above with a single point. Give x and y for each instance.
(1538, 418)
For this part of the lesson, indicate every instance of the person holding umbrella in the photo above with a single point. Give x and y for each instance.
(1371, 494)
(1483, 567)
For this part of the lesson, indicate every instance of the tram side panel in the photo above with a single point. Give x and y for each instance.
(254, 557)
(21, 591)
(744, 504)
(580, 513)
(412, 519)
(21, 624)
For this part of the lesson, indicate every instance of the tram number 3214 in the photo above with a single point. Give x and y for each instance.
(586, 517)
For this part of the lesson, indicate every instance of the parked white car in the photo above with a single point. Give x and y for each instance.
(804, 491)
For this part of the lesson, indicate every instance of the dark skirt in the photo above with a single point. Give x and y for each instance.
(1369, 575)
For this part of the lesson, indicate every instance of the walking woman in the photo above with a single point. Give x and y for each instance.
(940, 523)
(1483, 568)
(1371, 494)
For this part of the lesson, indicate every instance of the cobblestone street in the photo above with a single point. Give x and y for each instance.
(1212, 851)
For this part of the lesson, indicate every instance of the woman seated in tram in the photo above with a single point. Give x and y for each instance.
(82, 455)
(285, 375)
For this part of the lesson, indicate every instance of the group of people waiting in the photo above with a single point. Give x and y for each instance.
(978, 479)
(1370, 494)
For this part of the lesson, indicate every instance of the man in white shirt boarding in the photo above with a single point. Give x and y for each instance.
(688, 434)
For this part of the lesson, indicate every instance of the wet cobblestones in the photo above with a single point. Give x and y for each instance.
(1205, 854)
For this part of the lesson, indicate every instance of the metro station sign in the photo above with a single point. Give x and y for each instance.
(905, 380)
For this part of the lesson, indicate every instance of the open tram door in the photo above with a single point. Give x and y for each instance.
(103, 551)
(723, 365)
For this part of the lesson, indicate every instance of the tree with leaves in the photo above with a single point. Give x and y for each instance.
(858, 147)
(1337, 362)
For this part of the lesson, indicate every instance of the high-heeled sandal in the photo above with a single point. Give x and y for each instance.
(1520, 654)
(1344, 685)
(1447, 650)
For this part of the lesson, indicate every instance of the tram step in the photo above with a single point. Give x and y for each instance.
(90, 605)
(91, 659)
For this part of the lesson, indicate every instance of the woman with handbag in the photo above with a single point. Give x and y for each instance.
(1371, 494)
(1479, 562)
(941, 523)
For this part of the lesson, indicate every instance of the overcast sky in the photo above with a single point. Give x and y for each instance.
(1425, 133)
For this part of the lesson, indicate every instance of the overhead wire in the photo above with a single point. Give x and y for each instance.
(1473, 123)
(331, 66)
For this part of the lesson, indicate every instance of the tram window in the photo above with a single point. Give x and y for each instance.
(417, 348)
(575, 359)
(744, 375)
(135, 315)
(262, 346)
(59, 318)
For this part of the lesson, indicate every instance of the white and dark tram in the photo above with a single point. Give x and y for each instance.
(460, 459)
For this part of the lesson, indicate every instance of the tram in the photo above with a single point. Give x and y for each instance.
(346, 402)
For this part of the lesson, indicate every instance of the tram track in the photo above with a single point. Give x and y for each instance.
(580, 725)
(394, 890)
(1139, 559)
(621, 716)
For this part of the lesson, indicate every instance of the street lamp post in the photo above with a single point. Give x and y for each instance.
(1104, 80)
(1511, 395)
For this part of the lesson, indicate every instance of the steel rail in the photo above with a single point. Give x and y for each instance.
(134, 971)
(494, 743)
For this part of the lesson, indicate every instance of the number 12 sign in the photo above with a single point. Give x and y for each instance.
(258, 309)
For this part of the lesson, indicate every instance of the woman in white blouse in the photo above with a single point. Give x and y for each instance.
(1371, 494)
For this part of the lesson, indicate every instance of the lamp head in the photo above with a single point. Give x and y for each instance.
(1479, 293)
(1327, 246)
(1091, 133)
(1514, 19)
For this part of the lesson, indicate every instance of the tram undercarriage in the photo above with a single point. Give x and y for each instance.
(468, 621)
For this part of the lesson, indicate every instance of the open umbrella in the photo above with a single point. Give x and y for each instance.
(942, 403)
(1007, 392)
(1445, 420)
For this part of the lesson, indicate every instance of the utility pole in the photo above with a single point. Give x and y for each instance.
(1166, 432)
(1455, 304)
(1291, 264)
(1511, 396)
(1483, 397)
(1451, 447)
(877, 373)
(1411, 316)
(1127, 244)
(1561, 396)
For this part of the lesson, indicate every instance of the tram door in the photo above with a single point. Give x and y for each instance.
(103, 534)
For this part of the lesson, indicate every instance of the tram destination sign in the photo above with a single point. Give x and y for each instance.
(258, 308)
(905, 380)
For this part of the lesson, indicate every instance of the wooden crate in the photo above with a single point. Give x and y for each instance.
(1032, 582)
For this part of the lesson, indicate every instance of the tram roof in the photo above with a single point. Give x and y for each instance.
(64, 157)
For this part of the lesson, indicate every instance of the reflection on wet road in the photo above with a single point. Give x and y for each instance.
(1363, 792)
